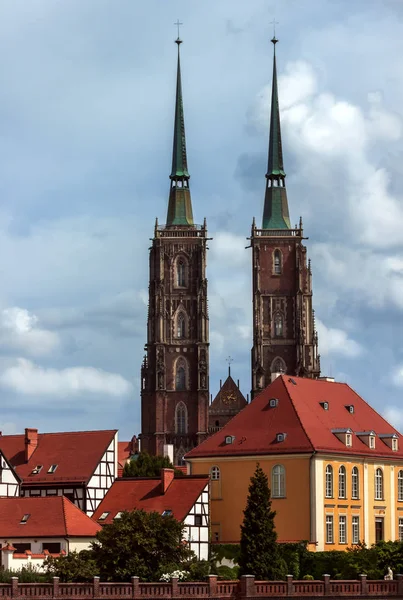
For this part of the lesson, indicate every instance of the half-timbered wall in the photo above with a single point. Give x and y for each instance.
(103, 477)
(9, 484)
(197, 525)
(74, 494)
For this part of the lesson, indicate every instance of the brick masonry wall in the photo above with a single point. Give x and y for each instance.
(247, 587)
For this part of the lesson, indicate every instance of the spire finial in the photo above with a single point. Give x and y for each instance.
(178, 39)
(274, 39)
(229, 361)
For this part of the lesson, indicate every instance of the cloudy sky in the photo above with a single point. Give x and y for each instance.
(86, 119)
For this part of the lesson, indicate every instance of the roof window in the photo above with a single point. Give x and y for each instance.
(291, 380)
(119, 515)
(273, 402)
(167, 512)
(52, 468)
(103, 516)
(280, 437)
(24, 519)
(37, 470)
(229, 439)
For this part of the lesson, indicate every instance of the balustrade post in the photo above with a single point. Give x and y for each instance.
(174, 587)
(95, 587)
(399, 579)
(247, 586)
(135, 587)
(212, 586)
(363, 580)
(55, 587)
(290, 586)
(14, 587)
(326, 581)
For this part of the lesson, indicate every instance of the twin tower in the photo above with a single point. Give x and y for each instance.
(175, 371)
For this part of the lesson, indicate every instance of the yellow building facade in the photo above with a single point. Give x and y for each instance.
(330, 499)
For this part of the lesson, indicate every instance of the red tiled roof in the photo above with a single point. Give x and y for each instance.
(145, 493)
(300, 415)
(124, 452)
(76, 454)
(53, 516)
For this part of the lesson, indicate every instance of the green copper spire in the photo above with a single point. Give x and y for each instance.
(275, 215)
(180, 204)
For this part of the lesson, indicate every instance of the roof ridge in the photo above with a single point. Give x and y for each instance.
(296, 411)
(373, 409)
(16, 435)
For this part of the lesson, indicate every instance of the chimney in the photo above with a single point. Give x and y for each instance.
(31, 442)
(274, 376)
(167, 477)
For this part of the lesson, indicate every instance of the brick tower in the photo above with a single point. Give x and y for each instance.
(284, 335)
(175, 371)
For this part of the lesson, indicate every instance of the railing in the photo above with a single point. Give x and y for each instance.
(246, 588)
(277, 232)
(176, 231)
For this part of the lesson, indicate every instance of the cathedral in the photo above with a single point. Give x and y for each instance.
(175, 394)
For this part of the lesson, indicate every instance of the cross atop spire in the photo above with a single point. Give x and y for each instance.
(275, 214)
(180, 205)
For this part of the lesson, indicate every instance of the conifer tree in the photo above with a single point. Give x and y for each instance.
(259, 550)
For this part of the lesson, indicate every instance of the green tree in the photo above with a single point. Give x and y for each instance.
(76, 566)
(259, 554)
(145, 465)
(142, 544)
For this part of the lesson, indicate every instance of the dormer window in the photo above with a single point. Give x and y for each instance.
(391, 440)
(344, 435)
(37, 470)
(324, 405)
(372, 442)
(280, 437)
(273, 402)
(52, 468)
(229, 439)
(350, 408)
(368, 437)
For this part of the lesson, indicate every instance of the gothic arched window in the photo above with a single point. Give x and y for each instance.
(181, 418)
(181, 326)
(181, 272)
(278, 325)
(278, 366)
(277, 262)
(180, 375)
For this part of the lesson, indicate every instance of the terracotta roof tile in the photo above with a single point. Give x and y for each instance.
(145, 493)
(302, 417)
(53, 516)
(75, 453)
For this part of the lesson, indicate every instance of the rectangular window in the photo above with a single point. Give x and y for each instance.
(329, 529)
(400, 529)
(379, 529)
(342, 529)
(52, 547)
(34, 492)
(51, 492)
(198, 520)
(355, 533)
(22, 547)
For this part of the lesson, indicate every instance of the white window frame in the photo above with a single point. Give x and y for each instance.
(378, 484)
(400, 485)
(329, 529)
(342, 482)
(215, 473)
(355, 529)
(329, 481)
(355, 483)
(400, 529)
(342, 529)
(372, 442)
(278, 481)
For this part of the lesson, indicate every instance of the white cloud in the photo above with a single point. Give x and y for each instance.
(394, 416)
(20, 329)
(397, 376)
(336, 341)
(28, 378)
